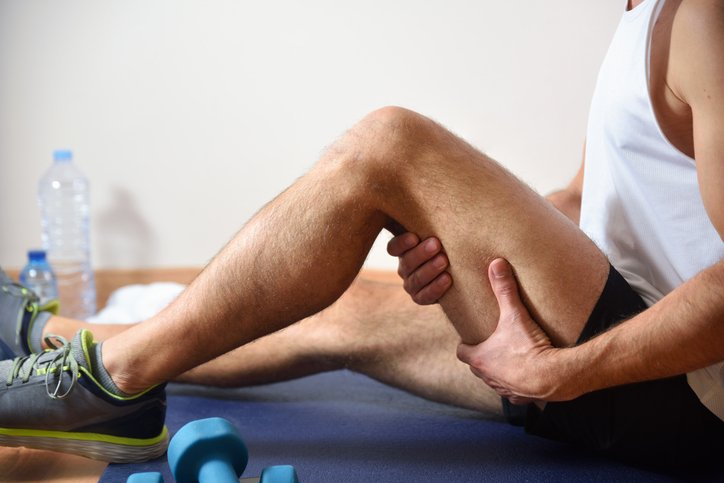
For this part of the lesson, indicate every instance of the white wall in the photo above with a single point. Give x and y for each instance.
(188, 115)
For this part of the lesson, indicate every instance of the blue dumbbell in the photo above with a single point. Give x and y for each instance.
(207, 450)
(279, 474)
(150, 477)
(211, 451)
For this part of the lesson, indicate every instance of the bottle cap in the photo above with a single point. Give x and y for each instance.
(62, 155)
(36, 255)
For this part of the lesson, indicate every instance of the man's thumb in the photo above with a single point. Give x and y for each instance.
(504, 286)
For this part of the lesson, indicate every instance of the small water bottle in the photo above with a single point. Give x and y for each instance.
(39, 277)
(63, 196)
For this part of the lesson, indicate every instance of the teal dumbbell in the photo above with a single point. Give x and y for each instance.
(212, 451)
(150, 477)
(279, 474)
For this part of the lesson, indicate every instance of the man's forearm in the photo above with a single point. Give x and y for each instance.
(682, 332)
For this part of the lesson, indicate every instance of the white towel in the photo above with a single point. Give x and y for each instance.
(134, 303)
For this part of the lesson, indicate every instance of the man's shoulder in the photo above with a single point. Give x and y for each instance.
(701, 19)
(697, 44)
(697, 7)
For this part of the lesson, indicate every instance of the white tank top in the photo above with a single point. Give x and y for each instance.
(641, 201)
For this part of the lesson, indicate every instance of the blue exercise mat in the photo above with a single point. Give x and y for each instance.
(344, 427)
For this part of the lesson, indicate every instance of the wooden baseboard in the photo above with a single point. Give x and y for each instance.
(110, 279)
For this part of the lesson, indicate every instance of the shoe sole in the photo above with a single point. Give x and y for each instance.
(91, 445)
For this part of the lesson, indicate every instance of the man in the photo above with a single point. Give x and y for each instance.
(652, 200)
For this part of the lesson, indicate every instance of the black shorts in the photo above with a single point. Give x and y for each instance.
(655, 422)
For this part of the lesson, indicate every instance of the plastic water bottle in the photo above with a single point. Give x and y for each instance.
(39, 277)
(63, 196)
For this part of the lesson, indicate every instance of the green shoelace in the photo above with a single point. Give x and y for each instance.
(63, 360)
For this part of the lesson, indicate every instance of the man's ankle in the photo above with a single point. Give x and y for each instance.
(125, 381)
(58, 325)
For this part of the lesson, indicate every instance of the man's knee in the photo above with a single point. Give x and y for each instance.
(394, 120)
(384, 144)
(398, 133)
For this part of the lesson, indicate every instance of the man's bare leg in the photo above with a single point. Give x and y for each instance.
(302, 250)
(374, 329)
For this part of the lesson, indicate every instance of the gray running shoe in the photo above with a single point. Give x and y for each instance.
(19, 308)
(51, 400)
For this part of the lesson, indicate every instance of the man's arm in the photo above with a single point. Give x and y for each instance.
(697, 41)
(682, 332)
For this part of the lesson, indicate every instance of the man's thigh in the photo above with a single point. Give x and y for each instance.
(434, 183)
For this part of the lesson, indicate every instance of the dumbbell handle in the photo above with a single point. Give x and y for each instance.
(217, 470)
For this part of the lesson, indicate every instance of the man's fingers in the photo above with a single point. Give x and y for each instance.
(432, 292)
(415, 257)
(423, 275)
(401, 243)
(504, 286)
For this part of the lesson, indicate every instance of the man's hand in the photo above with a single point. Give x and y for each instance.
(422, 267)
(517, 359)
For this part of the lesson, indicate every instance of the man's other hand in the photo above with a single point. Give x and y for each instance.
(422, 266)
(518, 359)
